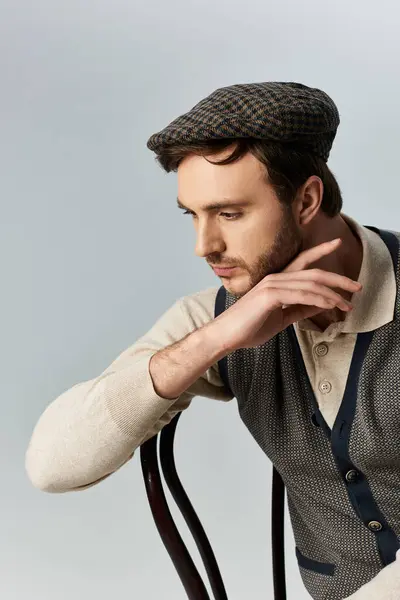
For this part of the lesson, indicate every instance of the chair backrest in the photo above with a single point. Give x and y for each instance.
(177, 550)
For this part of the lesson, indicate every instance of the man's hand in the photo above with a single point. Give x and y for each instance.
(281, 299)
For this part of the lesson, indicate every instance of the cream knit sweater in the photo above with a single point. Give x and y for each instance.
(93, 428)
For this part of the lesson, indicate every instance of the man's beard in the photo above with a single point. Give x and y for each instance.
(287, 245)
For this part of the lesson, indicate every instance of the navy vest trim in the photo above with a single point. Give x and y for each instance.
(220, 305)
(314, 565)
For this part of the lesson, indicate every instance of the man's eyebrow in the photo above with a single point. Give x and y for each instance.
(217, 205)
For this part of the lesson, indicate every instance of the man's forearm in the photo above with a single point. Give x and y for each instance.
(174, 368)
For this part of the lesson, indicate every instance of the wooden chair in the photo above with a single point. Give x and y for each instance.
(187, 571)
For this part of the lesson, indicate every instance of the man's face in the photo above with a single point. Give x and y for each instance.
(259, 238)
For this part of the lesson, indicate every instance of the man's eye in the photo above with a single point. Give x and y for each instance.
(229, 216)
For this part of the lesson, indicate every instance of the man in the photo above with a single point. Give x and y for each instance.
(303, 332)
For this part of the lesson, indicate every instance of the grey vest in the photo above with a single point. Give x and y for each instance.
(342, 484)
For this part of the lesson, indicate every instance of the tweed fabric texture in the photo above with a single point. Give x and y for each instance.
(337, 552)
(286, 112)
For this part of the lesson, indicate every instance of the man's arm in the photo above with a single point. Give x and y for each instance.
(175, 368)
(94, 428)
(384, 586)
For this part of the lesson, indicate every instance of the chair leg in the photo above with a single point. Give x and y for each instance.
(278, 540)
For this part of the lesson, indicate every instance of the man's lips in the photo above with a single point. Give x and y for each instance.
(223, 271)
(223, 267)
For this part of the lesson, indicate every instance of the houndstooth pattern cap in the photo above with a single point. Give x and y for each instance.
(286, 112)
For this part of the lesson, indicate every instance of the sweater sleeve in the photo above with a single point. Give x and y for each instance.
(93, 428)
(384, 586)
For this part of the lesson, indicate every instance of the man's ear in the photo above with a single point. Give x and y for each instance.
(308, 200)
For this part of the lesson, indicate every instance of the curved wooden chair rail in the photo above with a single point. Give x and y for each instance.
(184, 565)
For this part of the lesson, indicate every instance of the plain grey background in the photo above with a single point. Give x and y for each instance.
(93, 251)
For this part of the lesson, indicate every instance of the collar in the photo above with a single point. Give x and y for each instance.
(374, 305)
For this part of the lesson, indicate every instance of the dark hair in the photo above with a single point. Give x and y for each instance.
(288, 166)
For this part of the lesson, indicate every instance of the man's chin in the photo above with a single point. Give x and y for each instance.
(236, 289)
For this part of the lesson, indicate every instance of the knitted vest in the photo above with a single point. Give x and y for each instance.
(342, 484)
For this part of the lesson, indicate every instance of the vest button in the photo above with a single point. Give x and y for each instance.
(375, 526)
(351, 475)
(325, 387)
(321, 350)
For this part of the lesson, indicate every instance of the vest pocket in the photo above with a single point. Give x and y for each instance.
(314, 565)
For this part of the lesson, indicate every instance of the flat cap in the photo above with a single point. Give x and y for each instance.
(277, 111)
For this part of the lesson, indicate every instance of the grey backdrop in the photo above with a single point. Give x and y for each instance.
(93, 251)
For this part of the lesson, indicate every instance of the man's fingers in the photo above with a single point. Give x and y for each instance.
(298, 312)
(307, 257)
